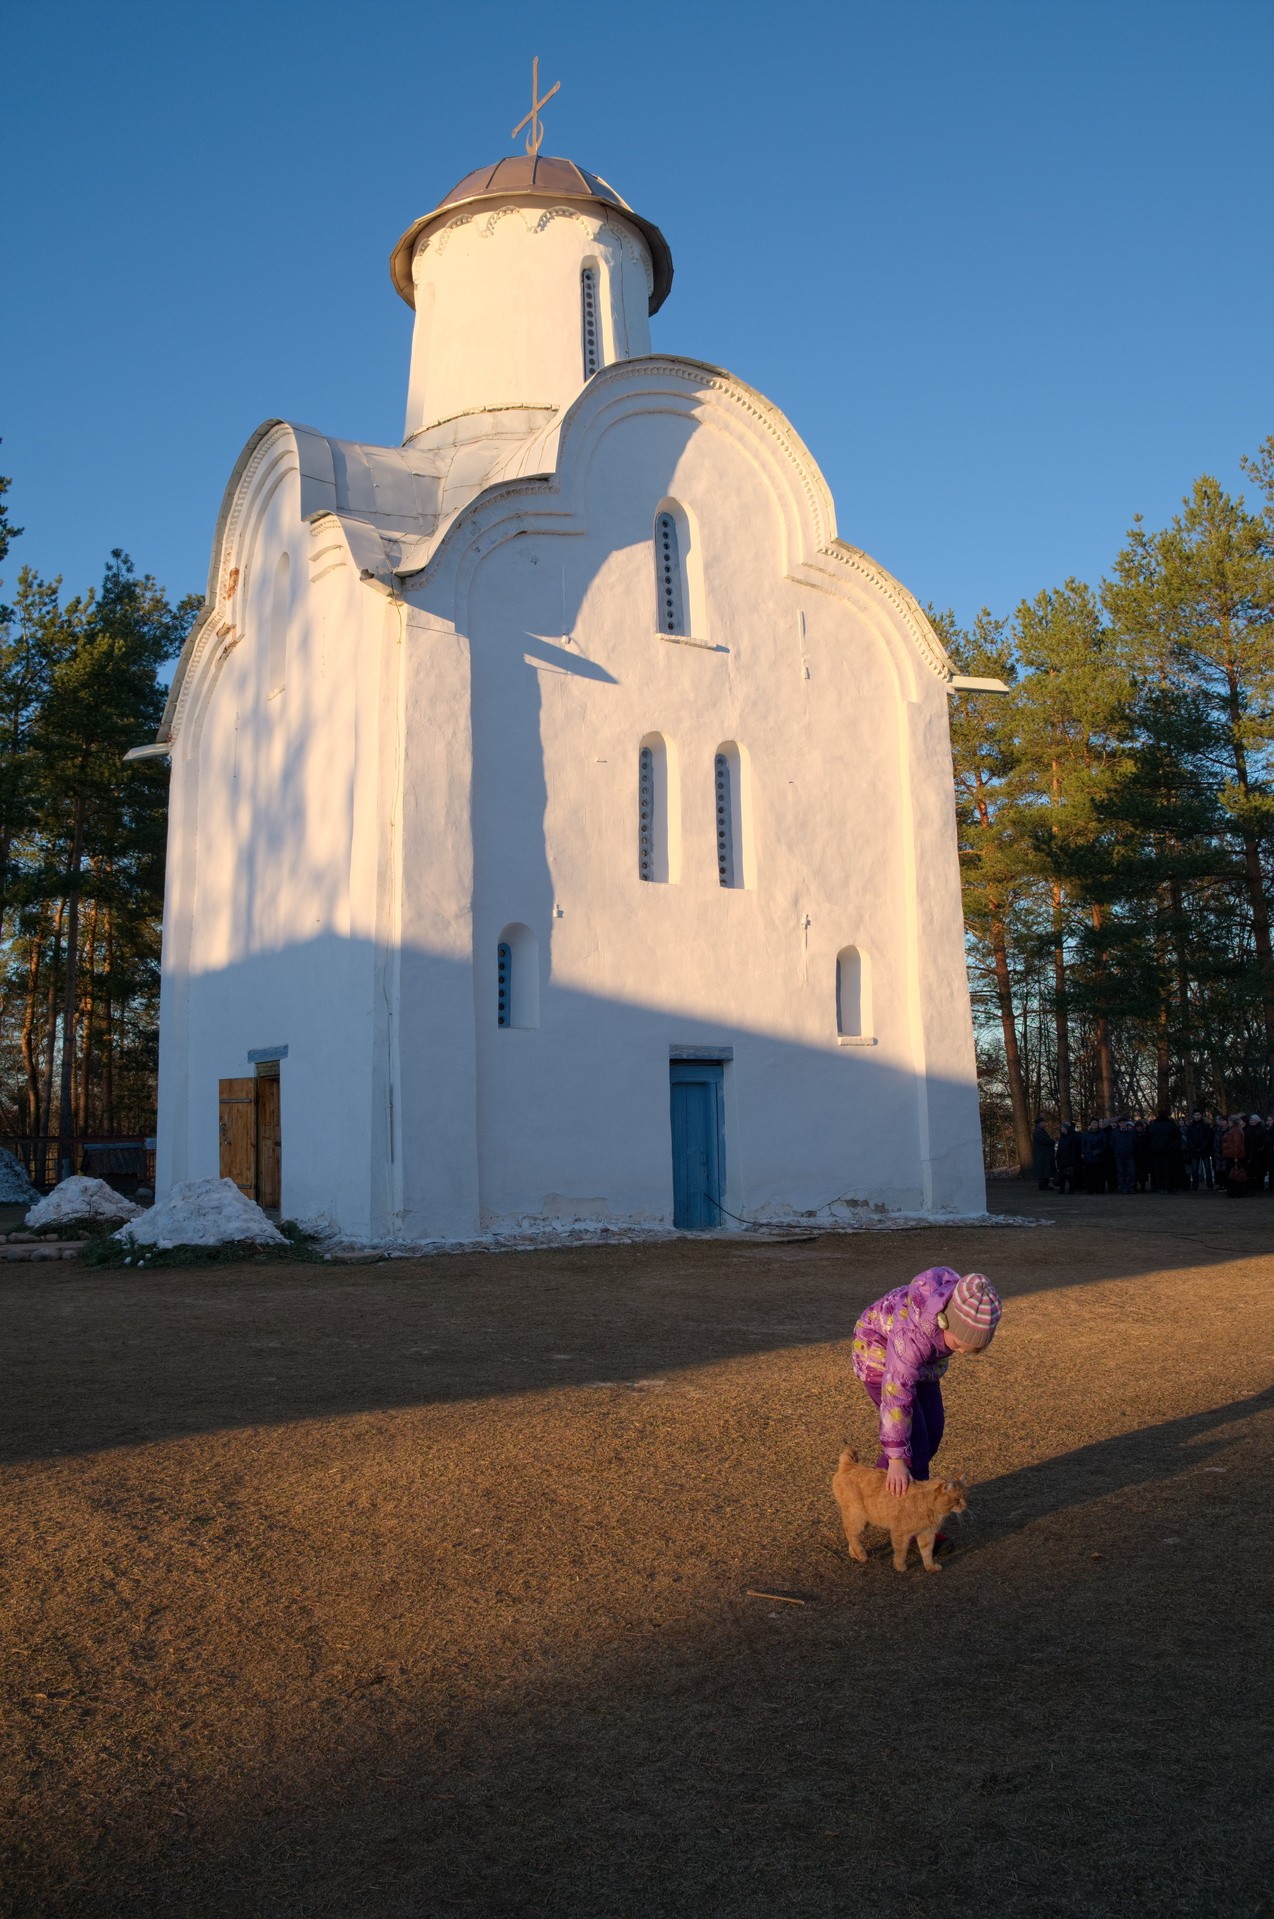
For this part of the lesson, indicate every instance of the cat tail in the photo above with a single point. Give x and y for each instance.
(848, 1457)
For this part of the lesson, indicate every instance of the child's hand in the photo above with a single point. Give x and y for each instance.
(898, 1477)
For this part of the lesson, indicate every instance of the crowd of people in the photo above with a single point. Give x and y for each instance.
(1214, 1153)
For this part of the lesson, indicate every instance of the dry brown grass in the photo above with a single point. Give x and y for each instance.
(420, 1589)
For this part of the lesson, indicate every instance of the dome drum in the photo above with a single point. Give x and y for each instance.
(541, 180)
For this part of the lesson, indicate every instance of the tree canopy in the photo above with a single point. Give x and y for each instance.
(1116, 816)
(82, 840)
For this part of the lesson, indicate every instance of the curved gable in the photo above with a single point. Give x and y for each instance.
(275, 451)
(549, 494)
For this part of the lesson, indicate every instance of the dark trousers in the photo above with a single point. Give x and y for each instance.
(1126, 1172)
(1200, 1171)
(1161, 1172)
(927, 1422)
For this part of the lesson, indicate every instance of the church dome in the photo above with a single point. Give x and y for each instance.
(532, 178)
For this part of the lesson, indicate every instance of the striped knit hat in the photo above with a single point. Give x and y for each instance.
(973, 1311)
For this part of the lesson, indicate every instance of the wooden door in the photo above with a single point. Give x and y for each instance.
(696, 1099)
(239, 1133)
(269, 1143)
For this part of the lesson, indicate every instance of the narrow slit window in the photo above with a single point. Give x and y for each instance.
(518, 977)
(504, 972)
(671, 599)
(646, 813)
(727, 835)
(591, 322)
(853, 1012)
(658, 811)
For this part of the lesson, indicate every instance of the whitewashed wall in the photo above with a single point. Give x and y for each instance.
(363, 798)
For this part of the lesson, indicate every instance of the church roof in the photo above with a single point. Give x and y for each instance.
(538, 177)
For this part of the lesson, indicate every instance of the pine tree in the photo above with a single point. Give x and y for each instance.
(1197, 602)
(1071, 717)
(994, 877)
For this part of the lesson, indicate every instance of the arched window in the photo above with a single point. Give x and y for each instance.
(277, 641)
(646, 813)
(590, 317)
(517, 977)
(505, 968)
(727, 823)
(658, 809)
(734, 815)
(853, 994)
(670, 583)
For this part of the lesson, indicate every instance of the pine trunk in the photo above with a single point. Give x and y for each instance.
(6, 845)
(1163, 1060)
(1255, 879)
(1189, 1088)
(51, 1024)
(83, 1077)
(1012, 1052)
(30, 1065)
(66, 1113)
(1101, 1034)
(108, 1032)
(1163, 1029)
(1061, 1012)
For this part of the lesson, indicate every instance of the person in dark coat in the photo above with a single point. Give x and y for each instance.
(1163, 1140)
(1069, 1158)
(1179, 1180)
(1042, 1153)
(1233, 1152)
(1257, 1153)
(1199, 1153)
(1141, 1150)
(1125, 1144)
(1092, 1147)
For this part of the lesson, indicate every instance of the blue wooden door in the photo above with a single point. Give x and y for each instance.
(696, 1091)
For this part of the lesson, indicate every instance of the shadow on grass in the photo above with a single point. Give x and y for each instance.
(1020, 1737)
(109, 1356)
(1000, 1507)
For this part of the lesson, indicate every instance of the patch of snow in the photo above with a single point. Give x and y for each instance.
(15, 1188)
(80, 1201)
(321, 1226)
(530, 1233)
(203, 1212)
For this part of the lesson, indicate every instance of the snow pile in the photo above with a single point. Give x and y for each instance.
(324, 1227)
(203, 1212)
(80, 1201)
(534, 1233)
(15, 1188)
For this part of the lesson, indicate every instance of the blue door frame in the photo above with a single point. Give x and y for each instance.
(697, 1100)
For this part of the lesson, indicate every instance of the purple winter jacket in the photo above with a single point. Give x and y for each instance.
(897, 1342)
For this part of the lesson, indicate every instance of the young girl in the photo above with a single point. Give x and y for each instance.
(902, 1347)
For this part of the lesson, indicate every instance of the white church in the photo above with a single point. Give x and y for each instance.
(561, 814)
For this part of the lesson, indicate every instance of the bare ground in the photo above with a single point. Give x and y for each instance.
(421, 1589)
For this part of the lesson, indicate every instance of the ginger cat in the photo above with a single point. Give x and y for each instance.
(862, 1495)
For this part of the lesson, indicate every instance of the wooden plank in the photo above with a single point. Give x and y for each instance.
(238, 1133)
(269, 1142)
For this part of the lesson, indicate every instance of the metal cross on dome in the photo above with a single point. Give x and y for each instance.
(535, 138)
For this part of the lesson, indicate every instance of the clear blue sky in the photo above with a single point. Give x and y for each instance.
(1006, 264)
